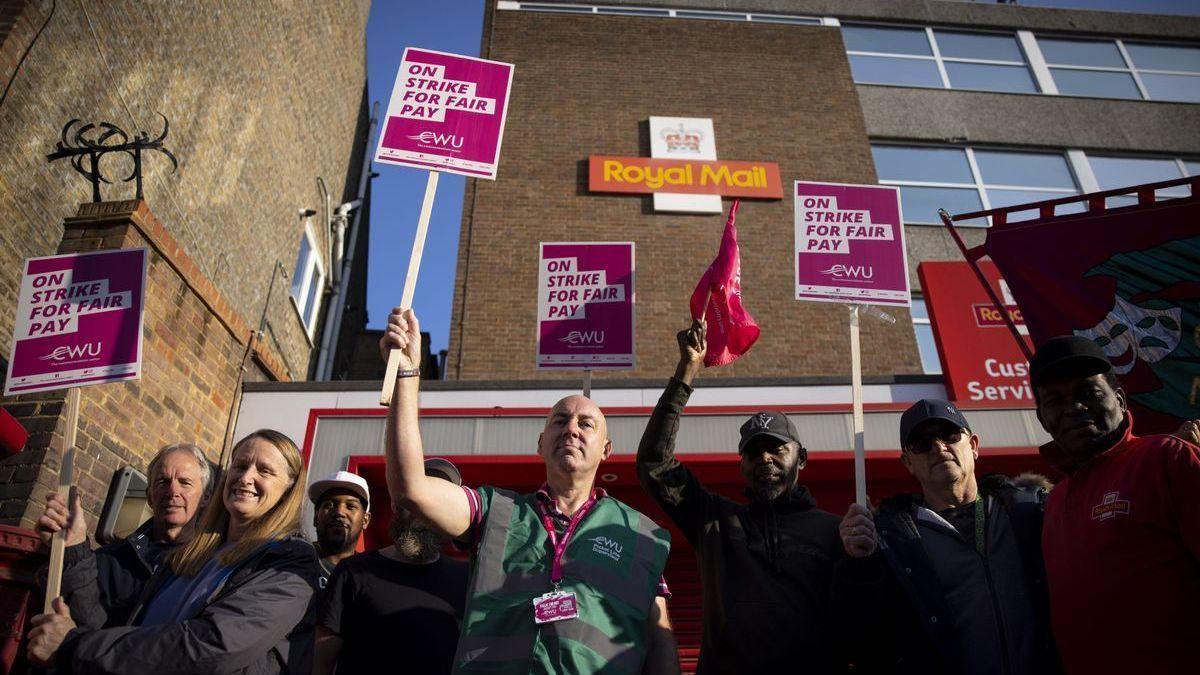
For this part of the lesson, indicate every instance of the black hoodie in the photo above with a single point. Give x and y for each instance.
(765, 567)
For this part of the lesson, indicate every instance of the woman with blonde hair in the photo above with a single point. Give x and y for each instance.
(234, 599)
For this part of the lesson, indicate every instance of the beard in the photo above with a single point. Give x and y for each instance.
(769, 484)
(335, 539)
(418, 542)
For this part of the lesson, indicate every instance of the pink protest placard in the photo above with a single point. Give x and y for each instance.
(446, 113)
(585, 305)
(850, 244)
(79, 321)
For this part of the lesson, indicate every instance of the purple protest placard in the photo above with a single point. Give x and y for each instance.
(446, 113)
(850, 244)
(79, 321)
(585, 305)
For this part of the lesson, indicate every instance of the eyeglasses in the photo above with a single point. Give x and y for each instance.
(919, 445)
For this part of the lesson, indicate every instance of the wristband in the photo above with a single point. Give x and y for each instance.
(415, 372)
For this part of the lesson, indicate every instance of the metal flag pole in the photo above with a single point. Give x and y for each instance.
(410, 283)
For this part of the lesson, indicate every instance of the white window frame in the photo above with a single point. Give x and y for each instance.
(659, 12)
(1133, 70)
(940, 61)
(981, 187)
(937, 356)
(313, 273)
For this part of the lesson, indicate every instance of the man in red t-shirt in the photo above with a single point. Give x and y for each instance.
(1122, 533)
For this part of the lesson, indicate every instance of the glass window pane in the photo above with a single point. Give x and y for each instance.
(1081, 53)
(978, 46)
(1002, 198)
(1172, 87)
(310, 304)
(918, 311)
(886, 40)
(1119, 172)
(1164, 57)
(301, 267)
(884, 70)
(1193, 168)
(1024, 168)
(990, 78)
(928, 349)
(935, 165)
(920, 204)
(1095, 83)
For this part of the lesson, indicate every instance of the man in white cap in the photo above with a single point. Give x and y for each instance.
(342, 504)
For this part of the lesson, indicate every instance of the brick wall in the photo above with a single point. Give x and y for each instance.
(586, 85)
(262, 98)
(192, 348)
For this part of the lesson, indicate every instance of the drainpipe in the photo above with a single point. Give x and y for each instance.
(333, 323)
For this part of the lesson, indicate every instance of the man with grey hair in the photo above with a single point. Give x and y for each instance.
(102, 586)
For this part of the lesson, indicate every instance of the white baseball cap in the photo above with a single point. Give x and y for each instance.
(344, 480)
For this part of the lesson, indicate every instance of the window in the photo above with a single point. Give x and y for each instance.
(1121, 69)
(926, 345)
(962, 180)
(1113, 173)
(308, 281)
(932, 57)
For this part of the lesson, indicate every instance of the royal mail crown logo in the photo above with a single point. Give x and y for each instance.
(683, 140)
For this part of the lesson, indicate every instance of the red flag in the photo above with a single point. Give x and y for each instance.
(731, 329)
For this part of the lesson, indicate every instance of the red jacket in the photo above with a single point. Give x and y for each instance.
(1122, 549)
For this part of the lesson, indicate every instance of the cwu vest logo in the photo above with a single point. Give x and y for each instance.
(606, 547)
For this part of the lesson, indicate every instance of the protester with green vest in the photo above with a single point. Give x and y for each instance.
(565, 580)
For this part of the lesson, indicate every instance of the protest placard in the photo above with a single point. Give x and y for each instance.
(849, 244)
(446, 113)
(585, 305)
(79, 321)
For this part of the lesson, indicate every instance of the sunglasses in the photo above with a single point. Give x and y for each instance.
(919, 445)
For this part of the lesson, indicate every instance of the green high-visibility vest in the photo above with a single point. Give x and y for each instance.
(613, 563)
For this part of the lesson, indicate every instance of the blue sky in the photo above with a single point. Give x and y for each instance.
(455, 26)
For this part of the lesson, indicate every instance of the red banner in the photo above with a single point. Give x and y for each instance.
(1128, 279)
(981, 360)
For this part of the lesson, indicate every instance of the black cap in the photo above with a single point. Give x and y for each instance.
(769, 423)
(929, 409)
(1067, 355)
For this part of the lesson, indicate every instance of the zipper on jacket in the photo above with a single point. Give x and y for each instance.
(987, 571)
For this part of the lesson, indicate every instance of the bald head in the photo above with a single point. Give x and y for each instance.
(575, 438)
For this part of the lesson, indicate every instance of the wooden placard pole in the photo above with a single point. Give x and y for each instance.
(587, 382)
(860, 458)
(59, 541)
(410, 283)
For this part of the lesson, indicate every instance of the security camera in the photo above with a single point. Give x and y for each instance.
(307, 213)
(348, 207)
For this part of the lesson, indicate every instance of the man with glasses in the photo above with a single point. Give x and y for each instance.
(949, 581)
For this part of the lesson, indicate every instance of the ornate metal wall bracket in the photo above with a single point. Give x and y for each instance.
(86, 145)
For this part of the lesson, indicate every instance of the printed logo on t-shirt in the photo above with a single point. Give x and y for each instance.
(1110, 507)
(606, 547)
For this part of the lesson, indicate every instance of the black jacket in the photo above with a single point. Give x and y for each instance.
(102, 587)
(260, 620)
(894, 603)
(765, 567)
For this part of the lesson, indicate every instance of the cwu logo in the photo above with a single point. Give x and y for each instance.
(73, 353)
(606, 547)
(433, 138)
(582, 338)
(850, 272)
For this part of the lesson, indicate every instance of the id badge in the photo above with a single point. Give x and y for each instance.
(555, 606)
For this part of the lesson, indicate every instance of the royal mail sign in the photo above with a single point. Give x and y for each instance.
(644, 175)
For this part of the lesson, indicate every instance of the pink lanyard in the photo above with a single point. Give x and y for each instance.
(560, 547)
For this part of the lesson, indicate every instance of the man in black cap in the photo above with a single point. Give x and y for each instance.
(949, 581)
(1122, 536)
(765, 567)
